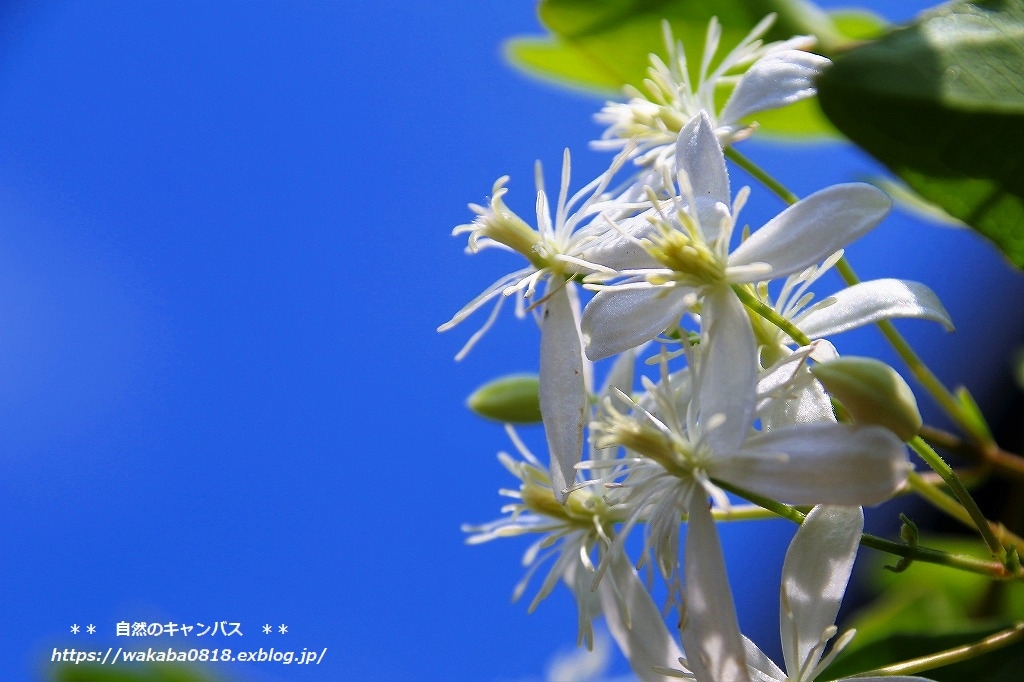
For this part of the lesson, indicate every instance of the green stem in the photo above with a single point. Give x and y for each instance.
(769, 313)
(939, 499)
(924, 376)
(913, 361)
(962, 562)
(959, 490)
(950, 656)
(761, 176)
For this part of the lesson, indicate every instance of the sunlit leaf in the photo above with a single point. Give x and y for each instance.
(941, 103)
(602, 45)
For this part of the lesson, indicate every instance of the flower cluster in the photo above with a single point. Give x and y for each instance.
(735, 408)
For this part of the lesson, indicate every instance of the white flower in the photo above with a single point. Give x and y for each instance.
(814, 578)
(569, 532)
(849, 308)
(706, 434)
(553, 251)
(773, 75)
(684, 251)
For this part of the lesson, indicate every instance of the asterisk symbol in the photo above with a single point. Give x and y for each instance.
(282, 628)
(91, 629)
(74, 629)
(267, 629)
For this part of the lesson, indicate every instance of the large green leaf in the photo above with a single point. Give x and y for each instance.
(941, 103)
(602, 45)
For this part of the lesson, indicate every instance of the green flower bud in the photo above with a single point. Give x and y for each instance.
(872, 392)
(514, 399)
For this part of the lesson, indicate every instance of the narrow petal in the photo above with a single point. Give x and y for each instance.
(757, 660)
(779, 79)
(711, 633)
(814, 578)
(699, 155)
(813, 229)
(819, 464)
(636, 622)
(563, 393)
(728, 369)
(869, 302)
(619, 319)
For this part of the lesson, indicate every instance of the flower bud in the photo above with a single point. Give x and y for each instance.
(514, 399)
(872, 392)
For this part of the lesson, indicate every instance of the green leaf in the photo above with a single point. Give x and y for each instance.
(514, 399)
(602, 45)
(941, 103)
(140, 673)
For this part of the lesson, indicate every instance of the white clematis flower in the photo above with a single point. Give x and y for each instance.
(773, 76)
(707, 435)
(684, 251)
(569, 532)
(849, 308)
(814, 578)
(553, 251)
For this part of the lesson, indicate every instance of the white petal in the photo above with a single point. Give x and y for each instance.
(759, 661)
(819, 464)
(814, 228)
(779, 79)
(699, 154)
(635, 621)
(711, 634)
(563, 393)
(620, 249)
(814, 578)
(728, 368)
(869, 302)
(616, 320)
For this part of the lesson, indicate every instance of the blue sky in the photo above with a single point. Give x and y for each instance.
(224, 250)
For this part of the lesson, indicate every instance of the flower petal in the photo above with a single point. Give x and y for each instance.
(757, 660)
(616, 320)
(699, 155)
(813, 229)
(635, 621)
(620, 249)
(814, 578)
(711, 633)
(869, 302)
(728, 369)
(773, 81)
(563, 391)
(820, 463)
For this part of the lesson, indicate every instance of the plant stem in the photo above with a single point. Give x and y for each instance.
(992, 569)
(961, 493)
(769, 313)
(1006, 463)
(949, 656)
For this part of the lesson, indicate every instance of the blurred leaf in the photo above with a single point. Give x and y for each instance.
(514, 399)
(139, 673)
(913, 202)
(602, 45)
(941, 103)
